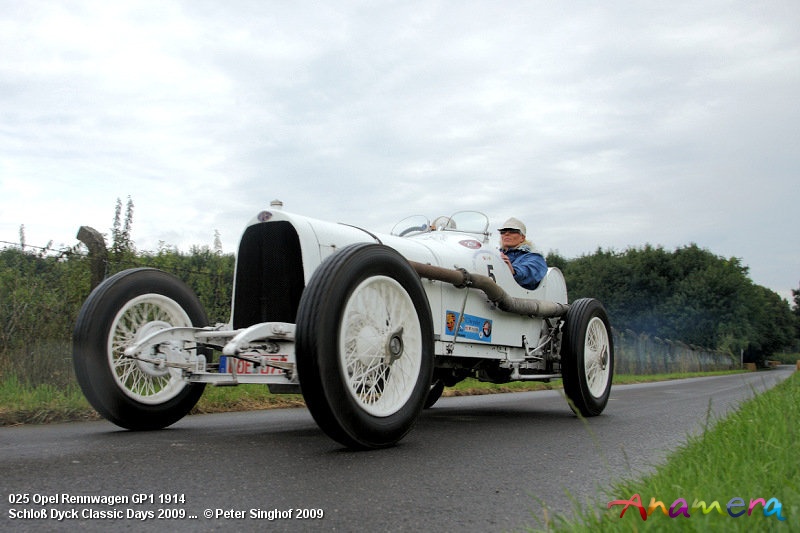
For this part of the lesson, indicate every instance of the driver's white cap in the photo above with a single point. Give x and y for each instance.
(513, 223)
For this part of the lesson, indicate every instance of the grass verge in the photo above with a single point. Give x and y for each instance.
(750, 454)
(24, 404)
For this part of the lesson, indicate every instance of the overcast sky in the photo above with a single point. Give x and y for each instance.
(600, 124)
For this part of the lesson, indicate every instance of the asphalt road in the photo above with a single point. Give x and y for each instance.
(485, 463)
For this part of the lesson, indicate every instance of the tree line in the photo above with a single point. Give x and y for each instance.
(688, 295)
(41, 294)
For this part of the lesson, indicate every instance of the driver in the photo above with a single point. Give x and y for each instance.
(527, 267)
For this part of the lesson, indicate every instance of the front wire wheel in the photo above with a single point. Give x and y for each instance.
(587, 360)
(135, 393)
(146, 379)
(365, 346)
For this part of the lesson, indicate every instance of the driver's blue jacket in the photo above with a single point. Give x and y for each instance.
(529, 267)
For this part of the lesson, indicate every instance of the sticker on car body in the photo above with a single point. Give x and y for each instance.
(470, 243)
(470, 327)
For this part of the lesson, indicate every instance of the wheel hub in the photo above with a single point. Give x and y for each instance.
(394, 347)
(151, 362)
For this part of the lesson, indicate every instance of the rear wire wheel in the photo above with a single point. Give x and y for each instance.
(365, 346)
(587, 357)
(436, 390)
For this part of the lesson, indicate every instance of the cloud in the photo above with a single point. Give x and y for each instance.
(611, 125)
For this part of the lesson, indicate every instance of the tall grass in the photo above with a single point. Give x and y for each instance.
(22, 403)
(40, 363)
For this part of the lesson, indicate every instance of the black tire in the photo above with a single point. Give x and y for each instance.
(364, 346)
(587, 357)
(134, 394)
(435, 392)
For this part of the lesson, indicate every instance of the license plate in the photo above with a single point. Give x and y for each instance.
(228, 365)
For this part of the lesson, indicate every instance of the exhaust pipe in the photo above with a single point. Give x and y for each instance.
(460, 278)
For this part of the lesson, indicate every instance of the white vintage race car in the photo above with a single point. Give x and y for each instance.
(369, 327)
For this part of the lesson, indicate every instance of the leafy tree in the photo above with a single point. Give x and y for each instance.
(796, 311)
(774, 324)
(796, 298)
(554, 259)
(707, 301)
(688, 295)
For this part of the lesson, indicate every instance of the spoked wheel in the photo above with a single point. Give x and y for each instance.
(365, 346)
(587, 360)
(140, 393)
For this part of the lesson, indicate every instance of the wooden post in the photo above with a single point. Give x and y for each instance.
(98, 254)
